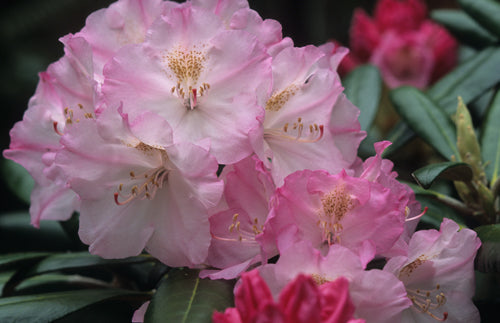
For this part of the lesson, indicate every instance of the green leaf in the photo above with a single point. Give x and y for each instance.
(437, 211)
(399, 135)
(363, 87)
(426, 119)
(81, 260)
(488, 256)
(184, 297)
(453, 171)
(463, 27)
(43, 308)
(18, 179)
(16, 260)
(486, 13)
(468, 80)
(490, 140)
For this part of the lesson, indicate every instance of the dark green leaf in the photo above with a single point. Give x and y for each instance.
(453, 171)
(426, 119)
(464, 27)
(490, 140)
(437, 211)
(183, 297)
(468, 80)
(16, 260)
(43, 308)
(399, 135)
(81, 260)
(363, 87)
(486, 13)
(18, 179)
(488, 256)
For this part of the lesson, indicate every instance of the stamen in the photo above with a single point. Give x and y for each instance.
(57, 130)
(314, 135)
(335, 205)
(245, 233)
(428, 300)
(416, 216)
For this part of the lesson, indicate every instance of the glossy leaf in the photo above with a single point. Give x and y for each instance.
(463, 27)
(468, 80)
(399, 135)
(183, 297)
(437, 211)
(485, 12)
(43, 308)
(488, 257)
(453, 171)
(490, 140)
(18, 179)
(16, 260)
(81, 260)
(363, 87)
(426, 119)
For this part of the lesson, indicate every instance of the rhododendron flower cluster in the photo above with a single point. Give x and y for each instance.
(196, 132)
(407, 47)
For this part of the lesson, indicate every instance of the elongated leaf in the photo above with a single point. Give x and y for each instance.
(426, 119)
(486, 13)
(453, 171)
(183, 297)
(81, 260)
(464, 27)
(16, 260)
(490, 140)
(399, 135)
(18, 179)
(488, 257)
(43, 308)
(468, 80)
(363, 87)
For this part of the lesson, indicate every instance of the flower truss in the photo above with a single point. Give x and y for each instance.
(132, 126)
(407, 47)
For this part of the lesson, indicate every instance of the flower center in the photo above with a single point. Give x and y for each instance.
(72, 116)
(335, 206)
(146, 184)
(185, 67)
(239, 232)
(297, 132)
(278, 100)
(425, 300)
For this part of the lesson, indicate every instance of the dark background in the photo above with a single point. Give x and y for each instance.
(29, 32)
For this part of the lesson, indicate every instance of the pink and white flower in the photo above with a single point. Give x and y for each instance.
(206, 81)
(306, 117)
(138, 189)
(438, 274)
(237, 230)
(338, 209)
(64, 94)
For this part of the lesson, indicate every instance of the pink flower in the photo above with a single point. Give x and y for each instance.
(376, 295)
(133, 181)
(301, 301)
(64, 94)
(206, 81)
(237, 230)
(408, 48)
(338, 209)
(124, 22)
(379, 170)
(306, 117)
(438, 274)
